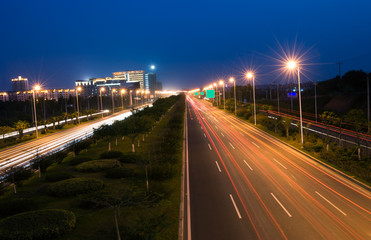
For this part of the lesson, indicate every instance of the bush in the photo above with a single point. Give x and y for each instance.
(97, 200)
(57, 176)
(14, 206)
(79, 159)
(74, 186)
(41, 224)
(130, 158)
(119, 172)
(97, 165)
(110, 155)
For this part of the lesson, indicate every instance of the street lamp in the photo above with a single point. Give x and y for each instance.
(113, 103)
(78, 89)
(102, 89)
(136, 95)
(250, 75)
(221, 82)
(235, 100)
(216, 90)
(36, 88)
(122, 100)
(131, 98)
(142, 96)
(293, 65)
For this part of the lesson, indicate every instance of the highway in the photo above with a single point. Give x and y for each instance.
(23, 153)
(246, 184)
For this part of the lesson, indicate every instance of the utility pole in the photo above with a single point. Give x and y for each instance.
(368, 102)
(339, 69)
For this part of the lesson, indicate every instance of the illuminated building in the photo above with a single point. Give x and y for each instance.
(20, 84)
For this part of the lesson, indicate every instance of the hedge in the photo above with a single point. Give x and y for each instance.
(57, 176)
(74, 186)
(130, 158)
(119, 172)
(98, 200)
(14, 206)
(78, 160)
(110, 155)
(97, 165)
(41, 224)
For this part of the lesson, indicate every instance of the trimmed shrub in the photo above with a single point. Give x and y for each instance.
(110, 155)
(119, 172)
(79, 159)
(41, 224)
(57, 176)
(74, 186)
(97, 165)
(97, 200)
(14, 206)
(130, 158)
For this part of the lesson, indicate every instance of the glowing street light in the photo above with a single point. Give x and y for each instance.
(131, 98)
(113, 103)
(292, 65)
(235, 100)
(36, 88)
(122, 100)
(221, 82)
(250, 75)
(78, 89)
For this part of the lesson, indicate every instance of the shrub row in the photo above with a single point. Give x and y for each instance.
(97, 165)
(41, 224)
(119, 172)
(110, 154)
(57, 176)
(74, 186)
(79, 159)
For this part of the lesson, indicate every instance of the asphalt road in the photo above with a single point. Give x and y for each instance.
(23, 153)
(245, 184)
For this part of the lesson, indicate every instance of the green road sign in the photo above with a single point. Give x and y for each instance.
(202, 93)
(210, 93)
(196, 93)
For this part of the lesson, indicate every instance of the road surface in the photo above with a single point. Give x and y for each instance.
(245, 184)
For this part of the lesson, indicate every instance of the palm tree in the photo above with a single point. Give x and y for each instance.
(287, 123)
(20, 126)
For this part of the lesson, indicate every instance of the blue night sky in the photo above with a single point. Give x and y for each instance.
(191, 42)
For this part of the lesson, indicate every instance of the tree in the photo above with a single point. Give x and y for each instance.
(328, 118)
(356, 118)
(20, 126)
(133, 126)
(287, 123)
(4, 130)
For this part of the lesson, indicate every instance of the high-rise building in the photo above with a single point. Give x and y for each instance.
(20, 84)
(132, 76)
(150, 82)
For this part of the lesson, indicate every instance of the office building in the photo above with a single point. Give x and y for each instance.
(19, 84)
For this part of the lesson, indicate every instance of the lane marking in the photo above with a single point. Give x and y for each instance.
(279, 163)
(247, 165)
(255, 145)
(217, 164)
(231, 145)
(281, 205)
(241, 133)
(222, 134)
(209, 146)
(201, 127)
(331, 203)
(216, 127)
(235, 206)
(204, 134)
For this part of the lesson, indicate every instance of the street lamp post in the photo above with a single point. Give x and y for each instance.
(142, 96)
(251, 75)
(131, 97)
(278, 97)
(113, 102)
(221, 82)
(235, 100)
(37, 88)
(78, 89)
(293, 65)
(101, 102)
(122, 100)
(216, 90)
